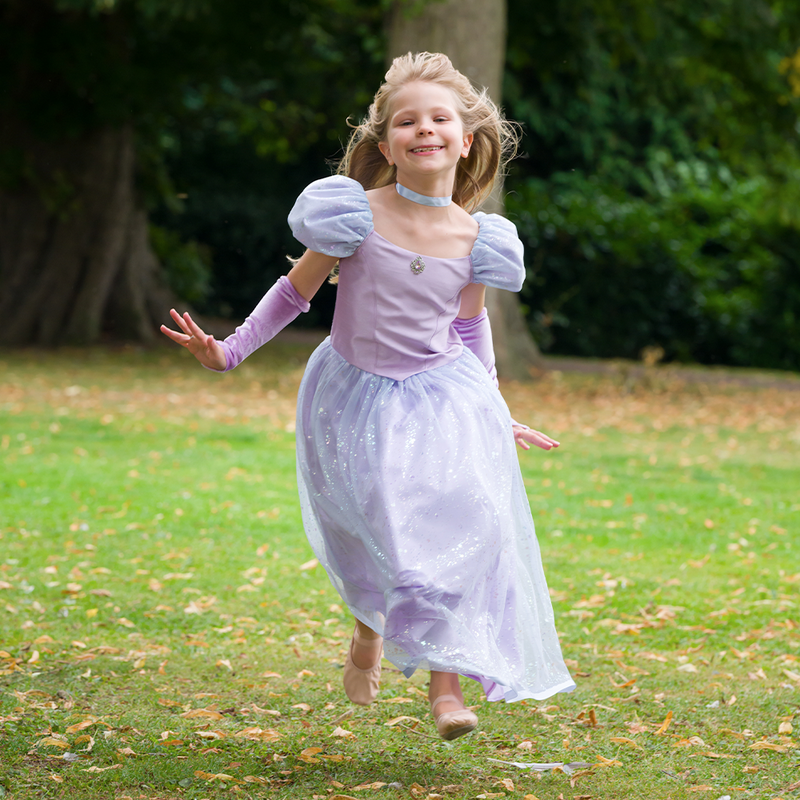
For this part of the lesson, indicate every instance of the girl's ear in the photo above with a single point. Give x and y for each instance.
(384, 148)
(467, 145)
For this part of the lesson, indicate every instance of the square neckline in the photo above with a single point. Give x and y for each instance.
(416, 252)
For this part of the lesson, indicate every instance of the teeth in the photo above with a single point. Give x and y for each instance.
(425, 149)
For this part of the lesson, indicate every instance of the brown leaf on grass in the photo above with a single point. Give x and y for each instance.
(701, 787)
(304, 707)
(211, 734)
(607, 762)
(342, 797)
(396, 700)
(653, 657)
(507, 784)
(625, 740)
(375, 785)
(785, 728)
(342, 733)
(397, 720)
(89, 742)
(201, 713)
(102, 769)
(255, 779)
(665, 724)
(49, 741)
(79, 726)
(792, 675)
(164, 701)
(776, 748)
(271, 675)
(213, 776)
(257, 734)
(308, 754)
(258, 710)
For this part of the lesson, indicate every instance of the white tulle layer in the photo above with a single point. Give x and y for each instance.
(413, 501)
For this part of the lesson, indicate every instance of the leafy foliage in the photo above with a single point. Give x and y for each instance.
(704, 269)
(658, 194)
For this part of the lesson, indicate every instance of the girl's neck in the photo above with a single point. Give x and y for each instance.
(422, 199)
(428, 186)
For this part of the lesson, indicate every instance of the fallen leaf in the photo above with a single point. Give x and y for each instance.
(777, 748)
(608, 762)
(397, 720)
(197, 713)
(341, 733)
(49, 741)
(665, 724)
(102, 769)
(87, 723)
(257, 734)
(624, 740)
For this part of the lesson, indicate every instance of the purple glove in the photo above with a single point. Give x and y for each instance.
(279, 306)
(476, 334)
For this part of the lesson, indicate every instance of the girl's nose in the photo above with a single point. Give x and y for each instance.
(424, 130)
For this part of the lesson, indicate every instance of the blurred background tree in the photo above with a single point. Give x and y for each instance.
(115, 108)
(657, 195)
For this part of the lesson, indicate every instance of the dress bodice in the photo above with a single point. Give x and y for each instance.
(394, 307)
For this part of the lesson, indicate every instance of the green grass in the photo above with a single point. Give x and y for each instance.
(152, 562)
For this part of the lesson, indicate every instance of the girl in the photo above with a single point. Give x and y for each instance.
(411, 492)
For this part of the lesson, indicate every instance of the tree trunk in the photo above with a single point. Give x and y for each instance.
(473, 34)
(75, 260)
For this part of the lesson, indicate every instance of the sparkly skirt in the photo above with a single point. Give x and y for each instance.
(413, 502)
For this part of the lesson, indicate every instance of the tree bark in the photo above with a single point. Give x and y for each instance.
(473, 34)
(75, 259)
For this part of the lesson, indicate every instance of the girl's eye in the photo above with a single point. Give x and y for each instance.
(440, 119)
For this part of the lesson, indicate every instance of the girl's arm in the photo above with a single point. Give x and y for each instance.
(474, 328)
(272, 314)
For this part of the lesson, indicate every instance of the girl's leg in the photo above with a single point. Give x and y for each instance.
(445, 683)
(366, 646)
(447, 705)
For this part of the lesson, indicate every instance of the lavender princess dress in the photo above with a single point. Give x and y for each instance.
(410, 487)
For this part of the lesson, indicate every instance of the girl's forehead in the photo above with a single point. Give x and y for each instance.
(422, 95)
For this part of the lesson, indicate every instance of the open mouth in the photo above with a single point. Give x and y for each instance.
(429, 149)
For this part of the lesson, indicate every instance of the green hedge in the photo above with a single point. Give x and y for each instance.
(700, 263)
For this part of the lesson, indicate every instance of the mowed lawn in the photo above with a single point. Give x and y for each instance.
(166, 633)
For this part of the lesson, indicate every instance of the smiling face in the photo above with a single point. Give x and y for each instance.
(425, 136)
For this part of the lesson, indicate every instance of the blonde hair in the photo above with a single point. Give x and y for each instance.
(494, 142)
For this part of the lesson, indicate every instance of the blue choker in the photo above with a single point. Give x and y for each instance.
(422, 199)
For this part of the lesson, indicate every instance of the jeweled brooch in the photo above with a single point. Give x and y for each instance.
(417, 265)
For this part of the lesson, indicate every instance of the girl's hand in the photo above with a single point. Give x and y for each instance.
(202, 346)
(524, 435)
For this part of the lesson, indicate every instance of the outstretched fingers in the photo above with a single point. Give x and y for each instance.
(525, 437)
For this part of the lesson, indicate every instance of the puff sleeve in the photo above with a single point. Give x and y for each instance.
(497, 255)
(332, 216)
